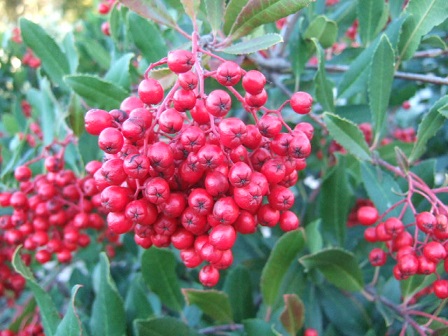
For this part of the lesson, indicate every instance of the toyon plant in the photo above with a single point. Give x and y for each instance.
(211, 167)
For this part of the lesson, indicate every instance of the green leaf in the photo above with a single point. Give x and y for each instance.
(388, 152)
(293, 314)
(335, 202)
(356, 77)
(414, 284)
(257, 327)
(54, 61)
(282, 255)
(250, 46)
(10, 123)
(428, 127)
(424, 15)
(165, 76)
(48, 311)
(238, 287)
(191, 7)
(108, 315)
(233, 9)
(214, 9)
(381, 188)
(119, 72)
(444, 110)
(348, 135)
(137, 305)
(369, 12)
(314, 237)
(212, 302)
(159, 272)
(322, 29)
(380, 82)
(96, 91)
(76, 114)
(338, 266)
(114, 23)
(97, 52)
(70, 324)
(324, 87)
(140, 29)
(71, 52)
(434, 41)
(162, 326)
(258, 12)
(154, 10)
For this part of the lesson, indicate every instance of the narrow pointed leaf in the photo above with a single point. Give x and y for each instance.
(233, 9)
(416, 283)
(238, 287)
(212, 302)
(96, 91)
(335, 203)
(322, 29)
(70, 324)
(48, 311)
(338, 266)
(424, 15)
(314, 237)
(53, 59)
(140, 29)
(293, 314)
(154, 10)
(284, 253)
(380, 82)
(324, 87)
(444, 110)
(108, 315)
(191, 7)
(428, 127)
(159, 272)
(253, 45)
(369, 12)
(214, 9)
(119, 72)
(348, 135)
(162, 326)
(258, 12)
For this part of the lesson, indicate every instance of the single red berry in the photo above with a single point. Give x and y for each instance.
(434, 251)
(367, 215)
(180, 61)
(245, 223)
(218, 103)
(426, 222)
(22, 173)
(96, 120)
(150, 91)
(184, 100)
(370, 235)
(209, 276)
(301, 102)
(222, 237)
(393, 226)
(377, 257)
(188, 80)
(103, 8)
(289, 221)
(182, 239)
(254, 82)
(110, 140)
(228, 73)
(310, 332)
(441, 288)
(105, 28)
(256, 100)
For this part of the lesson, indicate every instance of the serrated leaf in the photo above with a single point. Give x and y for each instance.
(338, 266)
(324, 87)
(119, 72)
(96, 91)
(48, 311)
(257, 327)
(212, 302)
(356, 77)
(250, 46)
(381, 188)
(322, 29)
(70, 324)
(414, 284)
(258, 12)
(233, 9)
(159, 272)
(428, 127)
(348, 135)
(314, 237)
(54, 61)
(191, 7)
(380, 82)
(108, 315)
(293, 314)
(154, 10)
(369, 12)
(282, 255)
(214, 9)
(238, 287)
(335, 203)
(424, 15)
(162, 326)
(140, 29)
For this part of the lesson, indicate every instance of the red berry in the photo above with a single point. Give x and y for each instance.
(426, 222)
(367, 215)
(377, 257)
(301, 102)
(222, 237)
(218, 103)
(97, 120)
(22, 173)
(209, 276)
(180, 61)
(228, 73)
(150, 91)
(289, 221)
(441, 288)
(254, 82)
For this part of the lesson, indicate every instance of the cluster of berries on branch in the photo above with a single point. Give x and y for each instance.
(178, 170)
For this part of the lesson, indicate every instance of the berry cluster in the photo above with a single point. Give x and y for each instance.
(418, 253)
(49, 215)
(179, 171)
(33, 329)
